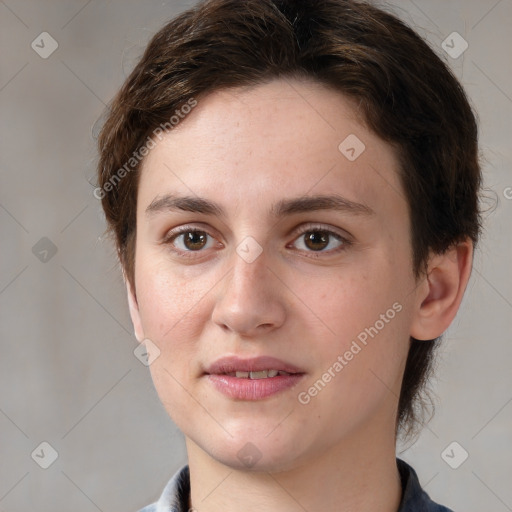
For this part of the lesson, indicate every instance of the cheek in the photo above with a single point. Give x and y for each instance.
(168, 303)
(358, 369)
(349, 302)
(363, 319)
(172, 315)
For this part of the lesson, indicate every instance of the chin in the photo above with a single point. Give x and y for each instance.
(254, 453)
(251, 459)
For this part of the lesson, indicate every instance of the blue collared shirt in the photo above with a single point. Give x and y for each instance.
(175, 496)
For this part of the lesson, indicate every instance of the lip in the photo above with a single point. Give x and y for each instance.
(252, 389)
(256, 364)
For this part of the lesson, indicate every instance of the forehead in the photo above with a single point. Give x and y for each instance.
(256, 145)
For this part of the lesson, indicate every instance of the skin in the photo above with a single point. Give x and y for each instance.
(246, 149)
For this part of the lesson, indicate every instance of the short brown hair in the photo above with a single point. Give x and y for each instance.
(407, 95)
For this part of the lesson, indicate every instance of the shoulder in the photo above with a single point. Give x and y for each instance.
(414, 498)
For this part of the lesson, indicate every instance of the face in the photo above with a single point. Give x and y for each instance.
(295, 246)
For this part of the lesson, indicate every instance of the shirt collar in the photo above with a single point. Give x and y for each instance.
(414, 498)
(175, 496)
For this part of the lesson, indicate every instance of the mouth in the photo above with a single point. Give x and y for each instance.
(263, 374)
(262, 367)
(252, 379)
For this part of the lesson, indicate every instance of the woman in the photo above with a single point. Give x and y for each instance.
(292, 188)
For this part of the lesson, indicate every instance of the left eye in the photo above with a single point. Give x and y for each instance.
(316, 240)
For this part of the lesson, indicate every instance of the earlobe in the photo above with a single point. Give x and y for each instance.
(134, 312)
(439, 299)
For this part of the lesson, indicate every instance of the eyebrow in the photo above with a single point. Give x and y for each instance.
(285, 207)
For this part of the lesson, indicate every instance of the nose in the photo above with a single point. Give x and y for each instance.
(250, 301)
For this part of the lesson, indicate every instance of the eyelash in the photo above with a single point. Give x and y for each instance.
(172, 236)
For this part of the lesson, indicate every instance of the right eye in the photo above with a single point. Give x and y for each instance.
(186, 240)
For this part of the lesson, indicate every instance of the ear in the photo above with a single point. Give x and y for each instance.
(438, 298)
(134, 311)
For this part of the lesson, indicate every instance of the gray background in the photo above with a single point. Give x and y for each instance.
(68, 373)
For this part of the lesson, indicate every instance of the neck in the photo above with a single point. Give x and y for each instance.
(357, 475)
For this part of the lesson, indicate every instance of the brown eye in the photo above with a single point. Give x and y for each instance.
(320, 240)
(186, 241)
(194, 240)
(317, 240)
